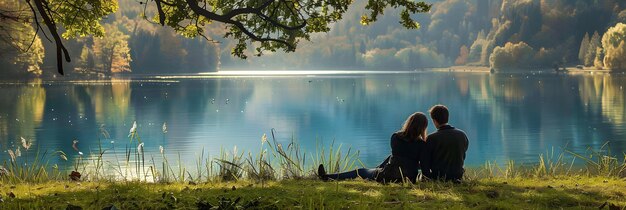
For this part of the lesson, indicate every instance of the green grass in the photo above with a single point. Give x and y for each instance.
(283, 176)
(489, 193)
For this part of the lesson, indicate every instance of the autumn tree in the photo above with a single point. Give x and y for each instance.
(111, 51)
(592, 49)
(21, 51)
(621, 17)
(599, 61)
(85, 61)
(512, 56)
(614, 43)
(584, 48)
(463, 55)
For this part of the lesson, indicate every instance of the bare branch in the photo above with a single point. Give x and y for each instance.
(37, 21)
(161, 13)
(61, 50)
(8, 16)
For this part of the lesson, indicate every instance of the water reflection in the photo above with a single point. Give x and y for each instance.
(22, 111)
(505, 116)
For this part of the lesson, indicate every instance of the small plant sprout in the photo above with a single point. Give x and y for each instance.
(62, 155)
(140, 148)
(26, 144)
(103, 131)
(75, 146)
(164, 128)
(133, 129)
(12, 154)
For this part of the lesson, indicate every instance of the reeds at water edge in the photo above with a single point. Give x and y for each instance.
(274, 160)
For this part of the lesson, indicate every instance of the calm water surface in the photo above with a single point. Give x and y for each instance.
(507, 117)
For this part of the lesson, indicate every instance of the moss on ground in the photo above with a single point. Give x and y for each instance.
(498, 193)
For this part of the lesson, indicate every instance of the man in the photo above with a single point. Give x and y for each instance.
(444, 154)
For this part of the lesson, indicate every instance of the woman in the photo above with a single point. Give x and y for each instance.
(406, 148)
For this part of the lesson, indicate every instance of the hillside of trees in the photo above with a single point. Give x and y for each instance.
(489, 33)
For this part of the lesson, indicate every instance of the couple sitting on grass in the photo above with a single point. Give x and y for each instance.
(440, 156)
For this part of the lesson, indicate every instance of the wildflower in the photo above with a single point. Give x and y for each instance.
(26, 144)
(12, 155)
(104, 132)
(3, 171)
(133, 129)
(140, 148)
(263, 139)
(164, 127)
(18, 152)
(161, 149)
(75, 146)
(63, 157)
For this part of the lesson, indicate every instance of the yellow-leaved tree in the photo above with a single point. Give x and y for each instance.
(614, 44)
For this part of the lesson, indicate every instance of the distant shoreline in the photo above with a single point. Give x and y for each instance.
(485, 69)
(482, 69)
(308, 73)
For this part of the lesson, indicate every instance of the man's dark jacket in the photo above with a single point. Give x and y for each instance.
(444, 154)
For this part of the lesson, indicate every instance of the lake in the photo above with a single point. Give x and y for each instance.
(506, 116)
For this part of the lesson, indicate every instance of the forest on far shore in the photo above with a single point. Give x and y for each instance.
(499, 34)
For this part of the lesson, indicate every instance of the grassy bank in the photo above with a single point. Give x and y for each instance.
(281, 177)
(489, 193)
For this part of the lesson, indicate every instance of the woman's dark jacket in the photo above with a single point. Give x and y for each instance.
(404, 160)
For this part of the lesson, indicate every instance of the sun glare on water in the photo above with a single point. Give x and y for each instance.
(280, 73)
(310, 72)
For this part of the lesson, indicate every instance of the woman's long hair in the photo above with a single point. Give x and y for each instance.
(414, 127)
